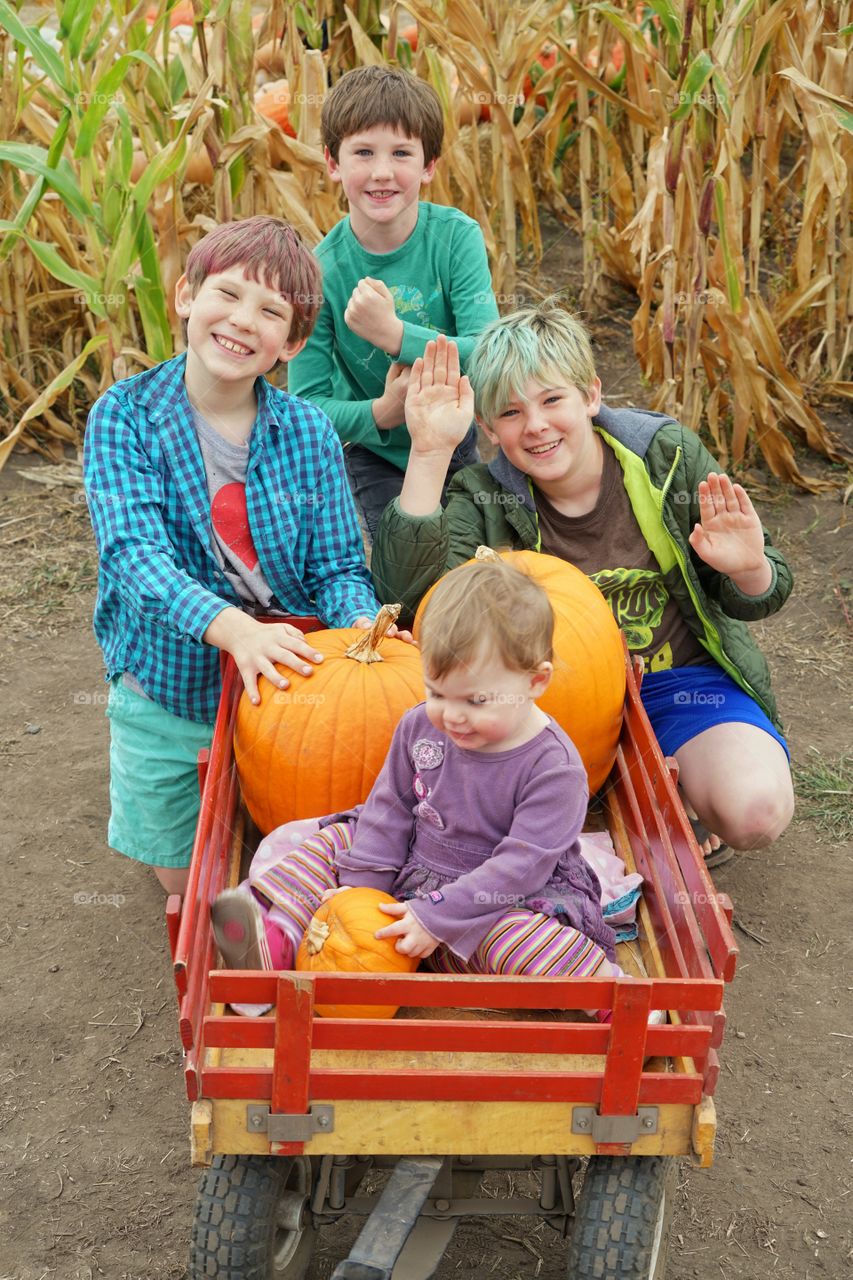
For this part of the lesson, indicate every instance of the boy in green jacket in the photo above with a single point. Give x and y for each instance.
(396, 272)
(635, 501)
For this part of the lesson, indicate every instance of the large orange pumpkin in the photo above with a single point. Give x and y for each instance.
(587, 690)
(339, 939)
(317, 747)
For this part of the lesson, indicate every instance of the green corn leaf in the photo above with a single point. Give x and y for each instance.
(698, 74)
(123, 153)
(723, 97)
(61, 178)
(845, 117)
(729, 265)
(96, 41)
(106, 94)
(155, 321)
(74, 24)
(618, 19)
(177, 79)
(49, 256)
(45, 56)
(57, 142)
(670, 18)
(22, 217)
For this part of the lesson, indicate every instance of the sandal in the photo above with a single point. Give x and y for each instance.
(716, 857)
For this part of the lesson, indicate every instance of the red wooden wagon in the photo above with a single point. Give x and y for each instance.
(290, 1112)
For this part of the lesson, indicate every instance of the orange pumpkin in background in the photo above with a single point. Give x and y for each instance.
(587, 690)
(317, 747)
(273, 101)
(339, 939)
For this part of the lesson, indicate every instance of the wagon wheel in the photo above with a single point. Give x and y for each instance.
(622, 1219)
(251, 1219)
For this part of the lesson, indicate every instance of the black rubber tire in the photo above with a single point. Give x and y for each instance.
(622, 1218)
(237, 1234)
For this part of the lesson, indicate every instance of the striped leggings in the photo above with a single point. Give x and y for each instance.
(290, 887)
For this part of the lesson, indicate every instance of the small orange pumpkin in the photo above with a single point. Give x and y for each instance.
(340, 939)
(587, 690)
(318, 746)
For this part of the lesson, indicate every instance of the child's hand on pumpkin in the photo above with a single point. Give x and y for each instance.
(412, 938)
(729, 536)
(330, 893)
(439, 401)
(257, 646)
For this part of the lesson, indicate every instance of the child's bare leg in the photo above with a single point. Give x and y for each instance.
(173, 879)
(737, 779)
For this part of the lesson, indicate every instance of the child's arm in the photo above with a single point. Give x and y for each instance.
(371, 312)
(139, 555)
(417, 541)
(360, 419)
(724, 530)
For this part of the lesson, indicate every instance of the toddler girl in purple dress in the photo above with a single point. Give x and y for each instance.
(473, 823)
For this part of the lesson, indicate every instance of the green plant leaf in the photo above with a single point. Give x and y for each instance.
(670, 18)
(49, 256)
(106, 94)
(74, 22)
(698, 74)
(33, 159)
(45, 56)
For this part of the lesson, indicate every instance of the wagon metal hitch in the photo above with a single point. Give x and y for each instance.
(383, 1236)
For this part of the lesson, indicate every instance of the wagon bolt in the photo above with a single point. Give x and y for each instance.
(442, 1205)
(648, 1123)
(583, 1124)
(257, 1122)
(323, 1122)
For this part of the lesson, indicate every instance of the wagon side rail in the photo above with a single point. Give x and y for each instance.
(219, 830)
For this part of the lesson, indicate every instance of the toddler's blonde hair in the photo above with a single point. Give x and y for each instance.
(489, 607)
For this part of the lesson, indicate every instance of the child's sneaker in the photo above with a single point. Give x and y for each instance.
(244, 941)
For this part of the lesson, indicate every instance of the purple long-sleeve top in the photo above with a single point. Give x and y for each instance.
(466, 836)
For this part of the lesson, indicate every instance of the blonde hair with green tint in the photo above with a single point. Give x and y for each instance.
(544, 343)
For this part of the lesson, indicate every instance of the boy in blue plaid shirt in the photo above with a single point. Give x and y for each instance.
(214, 498)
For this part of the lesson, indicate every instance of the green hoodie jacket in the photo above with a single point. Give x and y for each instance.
(662, 464)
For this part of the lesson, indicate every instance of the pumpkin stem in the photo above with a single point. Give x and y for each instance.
(366, 647)
(316, 935)
(486, 553)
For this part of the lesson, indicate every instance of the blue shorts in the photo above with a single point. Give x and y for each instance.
(684, 701)
(154, 794)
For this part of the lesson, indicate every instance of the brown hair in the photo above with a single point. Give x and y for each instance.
(372, 96)
(271, 252)
(489, 605)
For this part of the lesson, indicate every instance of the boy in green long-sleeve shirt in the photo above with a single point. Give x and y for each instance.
(396, 272)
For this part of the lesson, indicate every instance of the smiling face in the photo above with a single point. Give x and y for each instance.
(547, 433)
(237, 330)
(382, 172)
(484, 706)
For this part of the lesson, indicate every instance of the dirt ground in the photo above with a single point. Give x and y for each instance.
(95, 1170)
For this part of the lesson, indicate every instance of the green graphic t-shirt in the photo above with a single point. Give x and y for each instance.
(608, 546)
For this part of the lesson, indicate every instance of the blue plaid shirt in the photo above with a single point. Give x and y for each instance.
(159, 582)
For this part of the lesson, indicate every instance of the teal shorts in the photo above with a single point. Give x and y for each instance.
(154, 795)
